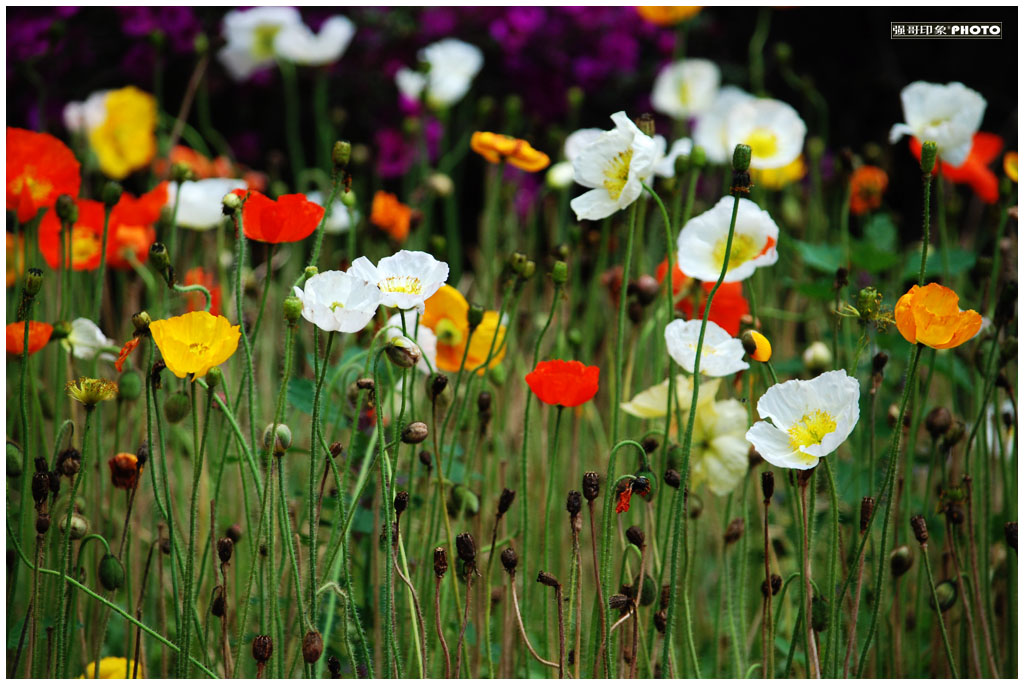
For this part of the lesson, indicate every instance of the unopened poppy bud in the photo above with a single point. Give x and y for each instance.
(505, 501)
(574, 503)
(403, 353)
(33, 282)
(341, 154)
(517, 262)
(129, 385)
(181, 172)
(635, 536)
(42, 523)
(440, 562)
(415, 433)
(474, 316)
(426, 459)
(281, 436)
(529, 269)
(776, 583)
(112, 194)
(929, 151)
(225, 546)
(509, 559)
(334, 666)
(141, 321)
(262, 648)
(734, 531)
(819, 614)
(867, 505)
(817, 358)
(645, 122)
(312, 647)
(79, 526)
(955, 434)
(560, 272)
(466, 547)
(767, 484)
(1010, 530)
(741, 157)
(483, 401)
(591, 485)
(218, 605)
(650, 444)
(660, 621)
(673, 478)
(231, 203)
(67, 210)
(159, 257)
(401, 502)
(234, 533)
(40, 486)
(900, 560)
(177, 407)
(441, 184)
(292, 309)
(437, 383)
(111, 572)
(938, 421)
(545, 578)
(946, 593)
(878, 362)
(757, 346)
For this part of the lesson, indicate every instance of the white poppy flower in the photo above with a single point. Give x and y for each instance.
(338, 301)
(453, 64)
(650, 403)
(772, 129)
(201, 205)
(406, 279)
(711, 130)
(250, 36)
(82, 117)
(86, 340)
(614, 164)
(410, 83)
(340, 220)
(295, 42)
(703, 240)
(809, 419)
(720, 447)
(666, 165)
(424, 338)
(949, 115)
(721, 354)
(577, 141)
(685, 88)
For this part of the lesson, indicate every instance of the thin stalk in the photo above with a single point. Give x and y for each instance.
(440, 631)
(938, 611)
(101, 276)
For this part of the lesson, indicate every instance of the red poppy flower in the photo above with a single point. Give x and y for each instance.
(975, 171)
(196, 301)
(39, 169)
(625, 492)
(126, 351)
(288, 219)
(38, 335)
(727, 309)
(562, 383)
(124, 470)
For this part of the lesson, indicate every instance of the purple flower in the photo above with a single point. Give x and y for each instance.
(394, 155)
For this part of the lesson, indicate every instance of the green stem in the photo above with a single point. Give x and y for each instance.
(926, 182)
(101, 276)
(938, 611)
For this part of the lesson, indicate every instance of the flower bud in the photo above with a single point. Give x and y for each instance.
(529, 269)
(401, 502)
(129, 386)
(141, 321)
(225, 546)
(177, 407)
(218, 604)
(40, 487)
(505, 501)
(402, 352)
(900, 560)
(466, 547)
(660, 621)
(946, 593)
(509, 559)
(42, 523)
(79, 526)
(741, 158)
(545, 578)
(262, 648)
(929, 151)
(734, 531)
(230, 204)
(560, 273)
(111, 572)
(673, 478)
(756, 345)
(767, 484)
(645, 122)
(817, 358)
(483, 401)
(650, 444)
(112, 194)
(312, 647)
(234, 533)
(591, 485)
(292, 309)
(33, 282)
(1010, 530)
(474, 316)
(635, 536)
(440, 562)
(867, 505)
(159, 257)
(341, 154)
(426, 459)
(437, 383)
(574, 503)
(938, 421)
(878, 362)
(67, 210)
(415, 433)
(282, 438)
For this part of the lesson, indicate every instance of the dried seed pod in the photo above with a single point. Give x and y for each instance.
(591, 485)
(415, 433)
(218, 605)
(620, 602)
(574, 503)
(69, 461)
(312, 647)
(440, 561)
(734, 531)
(509, 559)
(465, 545)
(234, 532)
(40, 487)
(867, 505)
(225, 546)
(672, 478)
(767, 484)
(401, 502)
(505, 501)
(920, 528)
(545, 578)
(262, 648)
(635, 536)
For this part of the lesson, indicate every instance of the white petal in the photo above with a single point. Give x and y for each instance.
(773, 445)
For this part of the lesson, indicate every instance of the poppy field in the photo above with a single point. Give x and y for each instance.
(509, 342)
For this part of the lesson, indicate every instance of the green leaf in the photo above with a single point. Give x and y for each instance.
(881, 232)
(823, 257)
(873, 258)
(960, 261)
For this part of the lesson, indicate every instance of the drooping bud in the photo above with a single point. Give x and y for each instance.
(946, 593)
(79, 526)
(262, 648)
(437, 383)
(159, 257)
(234, 533)
(141, 321)
(440, 561)
(505, 501)
(403, 353)
(591, 485)
(225, 546)
(756, 345)
(230, 204)
(509, 559)
(817, 358)
(415, 433)
(312, 647)
(650, 444)
(67, 210)
(111, 572)
(900, 560)
(218, 604)
(281, 436)
(177, 407)
(929, 151)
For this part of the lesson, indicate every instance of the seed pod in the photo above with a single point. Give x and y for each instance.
(650, 444)
(920, 528)
(819, 614)
(660, 621)
(545, 578)
(591, 485)
(465, 545)
(262, 648)
(40, 486)
(635, 536)
(111, 572)
(312, 647)
(767, 485)
(401, 502)
(234, 532)
(42, 523)
(867, 505)
(672, 478)
(129, 386)
(218, 605)
(509, 559)
(946, 593)
(177, 407)
(426, 459)
(69, 461)
(505, 501)
(938, 421)
(734, 531)
(79, 526)
(1010, 530)
(776, 583)
(225, 546)
(440, 561)
(415, 433)
(900, 560)
(574, 503)
(620, 602)
(334, 666)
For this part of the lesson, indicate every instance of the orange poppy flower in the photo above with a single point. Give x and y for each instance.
(867, 185)
(15, 258)
(446, 313)
(975, 170)
(931, 316)
(1010, 165)
(288, 219)
(391, 216)
(126, 351)
(666, 16)
(203, 167)
(39, 169)
(727, 309)
(563, 383)
(38, 335)
(124, 470)
(495, 147)
(196, 301)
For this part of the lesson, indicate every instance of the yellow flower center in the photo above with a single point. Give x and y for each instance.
(84, 245)
(684, 93)
(198, 348)
(448, 332)
(743, 250)
(37, 189)
(811, 429)
(337, 305)
(409, 285)
(617, 173)
(763, 142)
(263, 40)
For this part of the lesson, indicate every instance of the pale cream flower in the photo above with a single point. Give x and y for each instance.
(651, 403)
(703, 240)
(948, 115)
(250, 36)
(685, 88)
(720, 355)
(338, 301)
(406, 279)
(772, 129)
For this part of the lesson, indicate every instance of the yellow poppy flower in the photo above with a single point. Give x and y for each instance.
(194, 343)
(126, 140)
(447, 314)
(777, 179)
(112, 667)
(931, 316)
(1010, 165)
